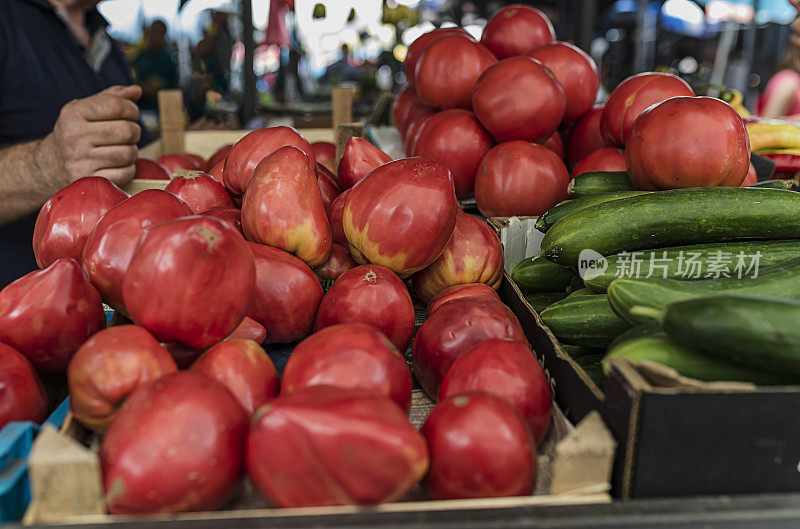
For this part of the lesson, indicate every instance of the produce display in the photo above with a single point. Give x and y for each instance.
(370, 277)
(264, 244)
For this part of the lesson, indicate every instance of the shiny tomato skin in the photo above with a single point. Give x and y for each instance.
(503, 102)
(575, 71)
(22, 396)
(359, 158)
(461, 291)
(68, 217)
(520, 178)
(585, 136)
(151, 170)
(458, 140)
(199, 191)
(420, 44)
(515, 29)
(603, 159)
(667, 149)
(448, 69)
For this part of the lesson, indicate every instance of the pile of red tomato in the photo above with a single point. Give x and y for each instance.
(512, 117)
(220, 262)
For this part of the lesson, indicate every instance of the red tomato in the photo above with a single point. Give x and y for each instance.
(325, 154)
(109, 367)
(667, 149)
(362, 443)
(199, 191)
(480, 447)
(455, 328)
(503, 100)
(283, 206)
(244, 368)
(632, 97)
(472, 255)
(575, 71)
(359, 158)
(337, 264)
(460, 291)
(23, 396)
(111, 243)
(555, 144)
(458, 140)
(603, 159)
(586, 136)
(373, 295)
(248, 152)
(177, 445)
(421, 192)
(413, 133)
(150, 170)
(230, 215)
(520, 178)
(350, 355)
(217, 158)
(249, 329)
(335, 219)
(328, 187)
(66, 220)
(46, 315)
(416, 111)
(751, 177)
(508, 370)
(421, 43)
(515, 29)
(190, 281)
(283, 280)
(448, 69)
(402, 105)
(216, 172)
(173, 162)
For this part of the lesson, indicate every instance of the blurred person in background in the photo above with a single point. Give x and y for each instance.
(341, 70)
(63, 113)
(155, 66)
(781, 96)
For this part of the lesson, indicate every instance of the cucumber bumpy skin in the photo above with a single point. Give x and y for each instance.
(673, 218)
(584, 320)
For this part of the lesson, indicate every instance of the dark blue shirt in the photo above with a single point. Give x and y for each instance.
(43, 66)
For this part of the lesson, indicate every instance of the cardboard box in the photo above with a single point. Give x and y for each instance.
(676, 436)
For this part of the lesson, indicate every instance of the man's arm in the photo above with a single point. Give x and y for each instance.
(94, 136)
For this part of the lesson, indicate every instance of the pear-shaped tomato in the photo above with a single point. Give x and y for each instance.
(23, 396)
(199, 191)
(401, 215)
(66, 220)
(190, 281)
(46, 315)
(359, 158)
(283, 207)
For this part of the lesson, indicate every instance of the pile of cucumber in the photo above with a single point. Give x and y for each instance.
(716, 291)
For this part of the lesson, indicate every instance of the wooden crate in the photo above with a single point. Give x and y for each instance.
(574, 467)
(205, 143)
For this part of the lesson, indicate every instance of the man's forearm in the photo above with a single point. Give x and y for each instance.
(30, 173)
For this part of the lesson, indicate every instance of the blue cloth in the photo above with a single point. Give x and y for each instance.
(42, 67)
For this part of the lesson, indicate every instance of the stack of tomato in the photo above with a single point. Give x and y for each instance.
(510, 114)
(184, 395)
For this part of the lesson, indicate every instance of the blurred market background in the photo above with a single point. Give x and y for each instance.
(300, 49)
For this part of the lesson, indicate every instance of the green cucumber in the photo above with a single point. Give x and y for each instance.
(580, 292)
(592, 365)
(579, 351)
(562, 209)
(575, 285)
(671, 263)
(651, 344)
(584, 320)
(757, 332)
(628, 297)
(537, 274)
(598, 182)
(673, 218)
(776, 184)
(541, 300)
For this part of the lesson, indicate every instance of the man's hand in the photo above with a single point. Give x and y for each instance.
(96, 136)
